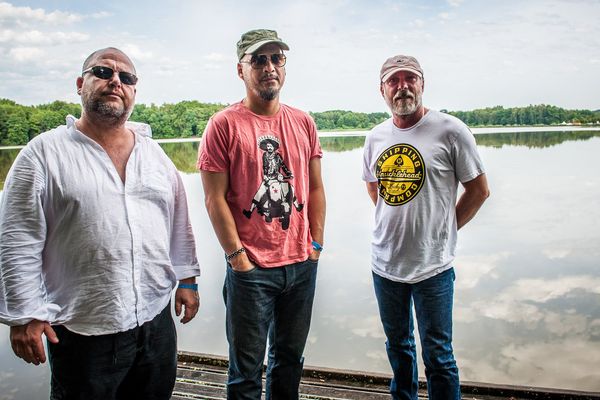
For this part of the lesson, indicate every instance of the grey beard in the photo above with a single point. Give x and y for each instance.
(107, 112)
(405, 107)
(268, 94)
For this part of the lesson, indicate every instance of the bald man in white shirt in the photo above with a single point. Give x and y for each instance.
(94, 236)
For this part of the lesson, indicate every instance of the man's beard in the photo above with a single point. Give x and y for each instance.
(271, 91)
(95, 105)
(268, 94)
(405, 103)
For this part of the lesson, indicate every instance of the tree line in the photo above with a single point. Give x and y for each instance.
(541, 114)
(339, 119)
(184, 154)
(19, 123)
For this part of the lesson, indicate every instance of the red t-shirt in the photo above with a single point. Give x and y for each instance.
(267, 159)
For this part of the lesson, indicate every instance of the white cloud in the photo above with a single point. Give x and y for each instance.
(556, 253)
(28, 14)
(35, 37)
(577, 364)
(472, 268)
(101, 14)
(354, 37)
(544, 290)
(368, 327)
(24, 54)
(517, 304)
(575, 368)
(377, 355)
(565, 324)
(508, 311)
(135, 53)
(418, 23)
(217, 57)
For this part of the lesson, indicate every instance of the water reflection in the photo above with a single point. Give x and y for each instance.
(184, 154)
(533, 139)
(6, 159)
(528, 280)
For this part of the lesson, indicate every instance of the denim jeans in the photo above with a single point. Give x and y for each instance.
(273, 302)
(433, 307)
(140, 363)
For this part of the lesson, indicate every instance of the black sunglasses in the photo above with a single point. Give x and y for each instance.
(260, 60)
(102, 72)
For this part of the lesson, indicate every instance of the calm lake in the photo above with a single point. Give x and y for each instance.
(527, 305)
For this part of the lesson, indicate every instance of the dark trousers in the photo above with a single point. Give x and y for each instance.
(273, 302)
(140, 363)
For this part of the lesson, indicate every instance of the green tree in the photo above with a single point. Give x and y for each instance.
(17, 129)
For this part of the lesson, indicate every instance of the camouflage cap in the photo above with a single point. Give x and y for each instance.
(400, 63)
(255, 39)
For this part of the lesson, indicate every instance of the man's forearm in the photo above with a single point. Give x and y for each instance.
(316, 201)
(223, 224)
(316, 214)
(476, 192)
(372, 191)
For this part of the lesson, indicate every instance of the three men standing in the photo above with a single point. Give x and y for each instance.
(271, 261)
(413, 163)
(94, 235)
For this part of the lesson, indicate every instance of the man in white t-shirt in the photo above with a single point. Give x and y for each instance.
(413, 163)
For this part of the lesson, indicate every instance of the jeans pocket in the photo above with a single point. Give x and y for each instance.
(242, 272)
(311, 261)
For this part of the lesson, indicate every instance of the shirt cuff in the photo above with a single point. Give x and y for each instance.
(186, 271)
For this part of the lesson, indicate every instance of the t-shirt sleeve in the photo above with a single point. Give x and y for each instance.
(367, 174)
(315, 144)
(213, 152)
(468, 164)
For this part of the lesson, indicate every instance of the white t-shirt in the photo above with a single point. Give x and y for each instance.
(418, 170)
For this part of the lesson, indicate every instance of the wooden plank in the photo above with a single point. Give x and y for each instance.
(204, 376)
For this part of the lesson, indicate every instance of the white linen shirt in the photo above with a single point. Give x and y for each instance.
(79, 247)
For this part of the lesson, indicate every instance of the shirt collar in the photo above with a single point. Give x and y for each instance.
(137, 127)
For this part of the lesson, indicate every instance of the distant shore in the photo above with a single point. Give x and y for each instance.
(476, 131)
(352, 132)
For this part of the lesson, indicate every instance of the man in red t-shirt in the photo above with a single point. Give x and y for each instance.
(264, 156)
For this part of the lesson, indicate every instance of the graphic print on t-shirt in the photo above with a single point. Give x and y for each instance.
(275, 195)
(400, 174)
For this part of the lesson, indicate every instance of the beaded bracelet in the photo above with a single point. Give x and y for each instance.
(236, 253)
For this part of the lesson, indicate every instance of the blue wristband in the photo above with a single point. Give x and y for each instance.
(193, 286)
(317, 246)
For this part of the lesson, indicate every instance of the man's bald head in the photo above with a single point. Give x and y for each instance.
(108, 52)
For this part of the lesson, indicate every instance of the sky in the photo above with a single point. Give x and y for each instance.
(474, 53)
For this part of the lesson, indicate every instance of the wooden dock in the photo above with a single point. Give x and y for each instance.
(203, 376)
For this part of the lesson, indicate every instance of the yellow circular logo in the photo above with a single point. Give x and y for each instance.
(400, 173)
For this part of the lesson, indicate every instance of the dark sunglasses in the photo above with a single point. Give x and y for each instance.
(107, 73)
(260, 60)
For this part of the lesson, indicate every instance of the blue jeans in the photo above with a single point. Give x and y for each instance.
(273, 302)
(433, 306)
(140, 363)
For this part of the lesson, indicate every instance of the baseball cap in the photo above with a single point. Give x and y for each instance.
(400, 63)
(255, 39)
